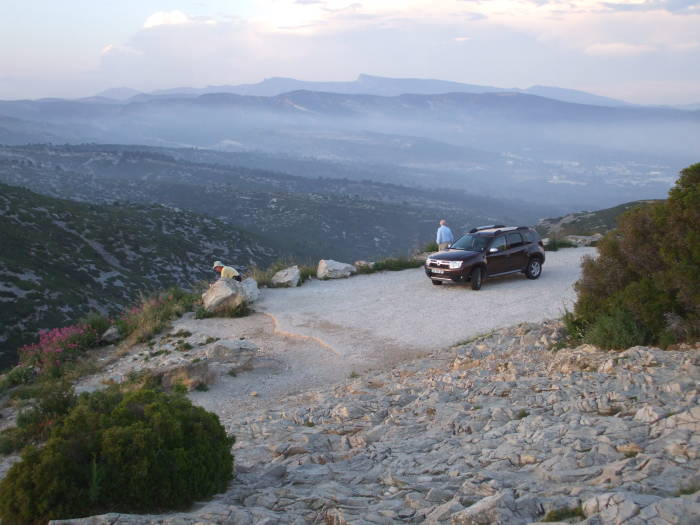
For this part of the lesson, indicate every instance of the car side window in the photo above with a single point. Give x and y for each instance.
(499, 243)
(515, 240)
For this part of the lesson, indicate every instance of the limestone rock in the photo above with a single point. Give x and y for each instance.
(364, 264)
(250, 289)
(238, 353)
(330, 269)
(111, 335)
(287, 278)
(224, 293)
(191, 375)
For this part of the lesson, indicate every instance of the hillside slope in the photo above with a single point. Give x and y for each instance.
(310, 218)
(585, 222)
(62, 259)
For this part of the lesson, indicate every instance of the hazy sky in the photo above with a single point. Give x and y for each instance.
(645, 51)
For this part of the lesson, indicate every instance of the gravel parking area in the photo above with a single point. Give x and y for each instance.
(387, 317)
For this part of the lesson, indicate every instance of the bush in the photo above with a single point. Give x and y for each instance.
(141, 451)
(152, 314)
(56, 348)
(52, 401)
(644, 287)
(618, 331)
(555, 244)
(431, 247)
(392, 264)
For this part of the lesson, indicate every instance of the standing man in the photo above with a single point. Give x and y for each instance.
(227, 272)
(444, 236)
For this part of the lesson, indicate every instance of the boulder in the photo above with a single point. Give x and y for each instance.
(237, 353)
(223, 294)
(330, 269)
(111, 335)
(250, 289)
(191, 375)
(287, 278)
(362, 265)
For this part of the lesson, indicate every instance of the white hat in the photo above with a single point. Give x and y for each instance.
(218, 263)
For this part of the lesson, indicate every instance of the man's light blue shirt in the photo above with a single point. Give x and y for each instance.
(444, 234)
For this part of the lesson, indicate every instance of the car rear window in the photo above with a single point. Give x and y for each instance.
(531, 236)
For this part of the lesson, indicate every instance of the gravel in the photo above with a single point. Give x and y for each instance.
(393, 316)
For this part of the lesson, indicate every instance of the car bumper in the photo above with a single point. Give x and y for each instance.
(444, 274)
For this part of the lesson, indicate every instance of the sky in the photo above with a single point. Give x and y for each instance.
(642, 51)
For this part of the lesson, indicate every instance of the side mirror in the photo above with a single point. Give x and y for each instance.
(493, 250)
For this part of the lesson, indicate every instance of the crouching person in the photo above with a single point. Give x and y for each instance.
(226, 272)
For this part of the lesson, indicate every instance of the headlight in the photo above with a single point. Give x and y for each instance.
(455, 264)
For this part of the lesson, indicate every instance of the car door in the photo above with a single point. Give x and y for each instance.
(517, 252)
(497, 256)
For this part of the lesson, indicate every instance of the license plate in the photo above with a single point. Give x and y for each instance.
(437, 270)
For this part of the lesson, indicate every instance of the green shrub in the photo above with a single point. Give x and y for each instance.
(563, 514)
(555, 244)
(644, 286)
(617, 330)
(141, 451)
(97, 322)
(391, 264)
(307, 272)
(431, 247)
(52, 401)
(19, 375)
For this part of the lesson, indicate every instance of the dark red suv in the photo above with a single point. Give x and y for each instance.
(488, 251)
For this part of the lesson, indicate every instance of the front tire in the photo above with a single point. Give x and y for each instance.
(477, 276)
(436, 282)
(534, 268)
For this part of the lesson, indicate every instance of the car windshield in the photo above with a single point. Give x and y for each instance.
(470, 242)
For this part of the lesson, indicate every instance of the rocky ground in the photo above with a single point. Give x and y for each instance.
(499, 430)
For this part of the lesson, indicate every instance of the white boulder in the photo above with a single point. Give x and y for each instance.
(250, 289)
(224, 293)
(330, 269)
(289, 277)
(111, 335)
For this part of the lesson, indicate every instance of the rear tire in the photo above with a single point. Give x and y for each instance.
(534, 268)
(436, 282)
(477, 277)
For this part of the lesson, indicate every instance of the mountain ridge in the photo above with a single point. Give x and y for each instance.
(370, 85)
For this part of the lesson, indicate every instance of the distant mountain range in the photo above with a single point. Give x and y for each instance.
(364, 85)
(508, 144)
(62, 259)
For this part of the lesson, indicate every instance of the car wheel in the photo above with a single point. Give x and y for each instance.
(534, 268)
(477, 277)
(436, 282)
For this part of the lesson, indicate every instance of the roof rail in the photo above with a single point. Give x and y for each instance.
(488, 227)
(523, 228)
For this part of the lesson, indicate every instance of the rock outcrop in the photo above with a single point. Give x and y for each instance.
(287, 278)
(502, 430)
(330, 269)
(224, 294)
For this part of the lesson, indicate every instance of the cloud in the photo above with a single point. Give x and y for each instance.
(166, 18)
(672, 6)
(618, 49)
(463, 39)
